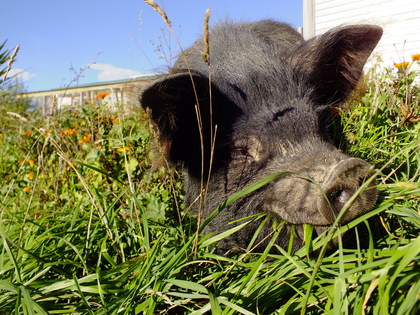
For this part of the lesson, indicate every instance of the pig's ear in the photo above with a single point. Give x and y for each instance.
(175, 103)
(333, 62)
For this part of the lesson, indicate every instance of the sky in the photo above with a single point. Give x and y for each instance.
(66, 43)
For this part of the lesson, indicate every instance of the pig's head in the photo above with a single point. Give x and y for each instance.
(261, 106)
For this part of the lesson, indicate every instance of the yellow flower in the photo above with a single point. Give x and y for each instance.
(31, 162)
(401, 65)
(27, 189)
(416, 57)
(102, 95)
(98, 117)
(45, 132)
(85, 138)
(123, 149)
(70, 131)
(30, 175)
(1, 135)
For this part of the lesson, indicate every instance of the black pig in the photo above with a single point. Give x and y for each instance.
(265, 98)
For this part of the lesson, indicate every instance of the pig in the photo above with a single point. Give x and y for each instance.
(261, 104)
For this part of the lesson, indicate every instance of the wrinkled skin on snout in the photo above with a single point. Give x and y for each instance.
(265, 98)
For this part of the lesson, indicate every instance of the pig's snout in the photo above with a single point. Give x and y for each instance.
(340, 183)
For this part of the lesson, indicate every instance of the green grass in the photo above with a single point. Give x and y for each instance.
(90, 225)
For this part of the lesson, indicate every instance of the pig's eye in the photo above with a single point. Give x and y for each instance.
(240, 153)
(247, 150)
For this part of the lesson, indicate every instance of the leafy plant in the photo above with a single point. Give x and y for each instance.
(92, 222)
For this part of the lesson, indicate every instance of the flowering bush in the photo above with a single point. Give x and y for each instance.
(55, 158)
(388, 109)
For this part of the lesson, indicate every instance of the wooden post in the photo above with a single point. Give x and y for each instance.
(308, 19)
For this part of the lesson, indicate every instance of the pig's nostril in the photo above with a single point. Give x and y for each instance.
(340, 183)
(339, 197)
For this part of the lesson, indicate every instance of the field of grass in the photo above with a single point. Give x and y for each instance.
(92, 222)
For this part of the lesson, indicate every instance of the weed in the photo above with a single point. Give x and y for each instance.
(89, 224)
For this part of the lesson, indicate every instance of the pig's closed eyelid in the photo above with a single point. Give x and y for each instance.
(281, 113)
(240, 152)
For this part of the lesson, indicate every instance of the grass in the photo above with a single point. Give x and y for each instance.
(90, 225)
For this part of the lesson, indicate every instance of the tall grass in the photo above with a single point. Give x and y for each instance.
(91, 223)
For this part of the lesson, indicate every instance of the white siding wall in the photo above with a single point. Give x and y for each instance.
(400, 20)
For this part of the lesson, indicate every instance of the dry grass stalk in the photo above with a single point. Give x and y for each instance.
(11, 60)
(206, 52)
(159, 10)
(20, 117)
(409, 113)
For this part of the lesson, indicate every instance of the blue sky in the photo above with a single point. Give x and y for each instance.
(75, 42)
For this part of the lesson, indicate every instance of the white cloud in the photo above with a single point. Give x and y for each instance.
(20, 74)
(110, 72)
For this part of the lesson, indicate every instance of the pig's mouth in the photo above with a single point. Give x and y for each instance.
(336, 196)
(340, 193)
(343, 196)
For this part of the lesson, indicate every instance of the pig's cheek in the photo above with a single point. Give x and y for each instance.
(239, 173)
(291, 198)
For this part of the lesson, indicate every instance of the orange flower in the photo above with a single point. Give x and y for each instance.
(123, 149)
(37, 215)
(31, 162)
(416, 57)
(30, 175)
(85, 138)
(102, 95)
(70, 131)
(401, 65)
(27, 189)
(28, 134)
(116, 121)
(335, 111)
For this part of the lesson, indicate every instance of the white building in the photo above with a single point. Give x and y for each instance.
(400, 20)
(114, 93)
